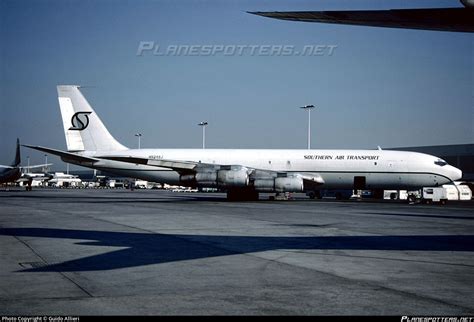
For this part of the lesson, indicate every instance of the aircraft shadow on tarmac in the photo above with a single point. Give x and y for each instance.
(147, 248)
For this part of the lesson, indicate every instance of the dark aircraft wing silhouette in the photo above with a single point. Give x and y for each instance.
(442, 19)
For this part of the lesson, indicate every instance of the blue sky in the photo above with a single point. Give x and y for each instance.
(387, 87)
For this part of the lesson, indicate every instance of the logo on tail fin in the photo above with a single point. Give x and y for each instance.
(77, 123)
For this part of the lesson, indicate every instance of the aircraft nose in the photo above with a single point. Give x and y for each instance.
(455, 173)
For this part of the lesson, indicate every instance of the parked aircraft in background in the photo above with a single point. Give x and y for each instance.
(63, 180)
(14, 172)
(442, 19)
(242, 173)
(30, 179)
(11, 173)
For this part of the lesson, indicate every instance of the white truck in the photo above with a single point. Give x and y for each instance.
(458, 191)
(434, 194)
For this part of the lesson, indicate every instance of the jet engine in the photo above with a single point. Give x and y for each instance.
(279, 184)
(236, 176)
(233, 177)
(226, 177)
(204, 179)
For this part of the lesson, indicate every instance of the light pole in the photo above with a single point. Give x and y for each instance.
(139, 135)
(308, 108)
(203, 125)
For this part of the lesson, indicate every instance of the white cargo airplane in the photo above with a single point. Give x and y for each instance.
(242, 173)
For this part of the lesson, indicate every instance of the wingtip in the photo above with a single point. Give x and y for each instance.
(258, 13)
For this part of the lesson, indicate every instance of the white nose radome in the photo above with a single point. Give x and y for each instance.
(454, 173)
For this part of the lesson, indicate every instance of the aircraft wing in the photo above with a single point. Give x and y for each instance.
(6, 167)
(442, 19)
(310, 180)
(179, 166)
(27, 178)
(36, 166)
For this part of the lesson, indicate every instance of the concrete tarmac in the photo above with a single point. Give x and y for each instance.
(121, 252)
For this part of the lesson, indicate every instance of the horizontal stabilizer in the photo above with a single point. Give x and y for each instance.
(63, 154)
(36, 166)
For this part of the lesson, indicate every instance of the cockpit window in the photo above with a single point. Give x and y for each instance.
(440, 162)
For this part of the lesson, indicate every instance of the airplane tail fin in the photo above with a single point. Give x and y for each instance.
(17, 161)
(83, 128)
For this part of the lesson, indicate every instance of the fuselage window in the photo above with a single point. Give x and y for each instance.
(440, 162)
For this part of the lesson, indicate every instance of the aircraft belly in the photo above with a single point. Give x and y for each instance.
(336, 180)
(345, 180)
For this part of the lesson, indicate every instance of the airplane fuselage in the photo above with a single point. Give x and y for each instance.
(340, 169)
(243, 173)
